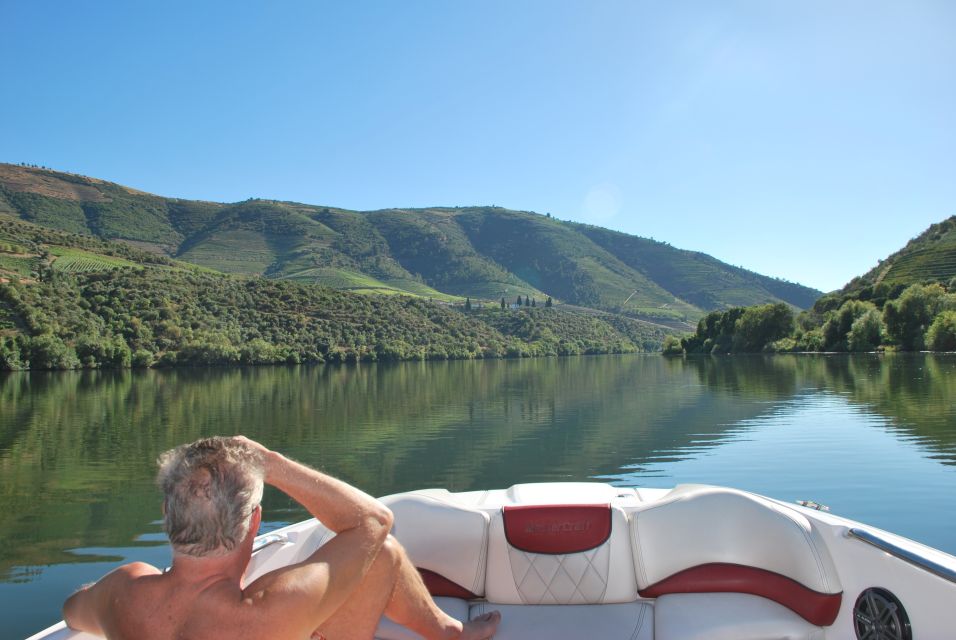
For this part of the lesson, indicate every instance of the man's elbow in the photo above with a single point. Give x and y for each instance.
(72, 610)
(381, 521)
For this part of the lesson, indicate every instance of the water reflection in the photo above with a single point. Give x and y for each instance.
(77, 449)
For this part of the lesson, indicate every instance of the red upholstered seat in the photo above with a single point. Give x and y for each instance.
(557, 529)
(440, 586)
(817, 608)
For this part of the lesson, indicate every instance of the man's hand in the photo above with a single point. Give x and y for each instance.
(251, 444)
(265, 456)
(336, 504)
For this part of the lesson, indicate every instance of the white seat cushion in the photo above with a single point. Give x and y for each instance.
(728, 616)
(627, 621)
(388, 630)
(443, 537)
(695, 526)
(701, 539)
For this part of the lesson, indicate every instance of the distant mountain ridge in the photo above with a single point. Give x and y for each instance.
(444, 253)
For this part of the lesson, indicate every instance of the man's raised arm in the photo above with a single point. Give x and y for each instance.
(312, 590)
(338, 505)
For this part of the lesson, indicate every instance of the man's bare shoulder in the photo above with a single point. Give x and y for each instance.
(120, 579)
(134, 570)
(91, 607)
(148, 604)
(128, 581)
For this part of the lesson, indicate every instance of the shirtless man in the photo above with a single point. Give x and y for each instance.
(211, 513)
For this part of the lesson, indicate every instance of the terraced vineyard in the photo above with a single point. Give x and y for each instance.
(337, 278)
(934, 264)
(347, 280)
(408, 286)
(233, 251)
(78, 261)
(16, 259)
(927, 258)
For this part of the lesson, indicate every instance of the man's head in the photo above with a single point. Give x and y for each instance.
(212, 487)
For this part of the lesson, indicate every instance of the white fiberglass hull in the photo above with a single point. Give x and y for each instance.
(570, 560)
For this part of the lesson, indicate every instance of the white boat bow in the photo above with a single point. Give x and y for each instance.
(590, 560)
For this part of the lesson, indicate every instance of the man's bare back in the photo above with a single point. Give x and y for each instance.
(339, 592)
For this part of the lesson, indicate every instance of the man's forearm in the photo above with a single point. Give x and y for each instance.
(338, 505)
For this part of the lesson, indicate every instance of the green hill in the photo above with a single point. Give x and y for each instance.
(696, 277)
(70, 300)
(553, 257)
(432, 244)
(485, 253)
(928, 258)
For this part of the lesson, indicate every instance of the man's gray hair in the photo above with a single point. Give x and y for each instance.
(211, 486)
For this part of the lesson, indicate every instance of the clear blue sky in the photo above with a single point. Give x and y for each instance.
(803, 140)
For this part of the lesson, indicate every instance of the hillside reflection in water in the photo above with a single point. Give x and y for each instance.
(874, 437)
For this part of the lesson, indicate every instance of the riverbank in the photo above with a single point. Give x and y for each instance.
(167, 317)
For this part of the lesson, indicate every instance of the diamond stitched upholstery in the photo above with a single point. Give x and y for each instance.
(577, 578)
(603, 574)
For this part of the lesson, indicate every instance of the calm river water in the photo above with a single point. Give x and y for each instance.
(873, 437)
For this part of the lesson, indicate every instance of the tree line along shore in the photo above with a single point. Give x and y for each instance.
(161, 317)
(882, 317)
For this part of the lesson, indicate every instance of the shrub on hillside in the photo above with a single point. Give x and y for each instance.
(811, 340)
(839, 323)
(142, 359)
(759, 326)
(941, 335)
(49, 352)
(741, 330)
(866, 332)
(908, 317)
(97, 351)
(783, 345)
(210, 350)
(672, 346)
(715, 332)
(10, 355)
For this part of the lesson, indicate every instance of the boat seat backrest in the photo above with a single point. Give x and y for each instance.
(709, 539)
(447, 541)
(559, 554)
